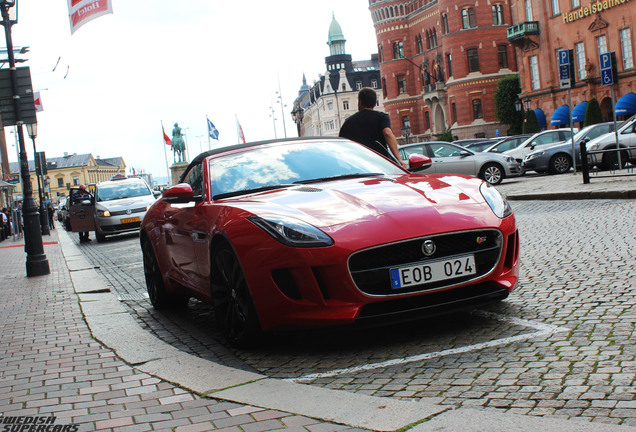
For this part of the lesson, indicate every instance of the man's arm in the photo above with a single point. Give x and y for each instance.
(392, 142)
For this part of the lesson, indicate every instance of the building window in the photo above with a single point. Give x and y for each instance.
(601, 44)
(468, 18)
(60, 182)
(579, 51)
(626, 49)
(345, 105)
(454, 112)
(384, 88)
(528, 10)
(401, 81)
(432, 39)
(381, 52)
(534, 72)
(427, 120)
(398, 50)
(358, 85)
(555, 7)
(477, 113)
(576, 3)
(75, 181)
(502, 55)
(406, 122)
(374, 83)
(445, 23)
(497, 14)
(449, 65)
(473, 60)
(418, 42)
(330, 106)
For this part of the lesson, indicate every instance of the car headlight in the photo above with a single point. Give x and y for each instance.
(495, 200)
(593, 146)
(103, 213)
(534, 155)
(509, 159)
(291, 231)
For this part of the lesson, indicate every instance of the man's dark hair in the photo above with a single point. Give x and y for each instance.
(367, 97)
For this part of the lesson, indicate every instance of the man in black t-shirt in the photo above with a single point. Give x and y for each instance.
(371, 128)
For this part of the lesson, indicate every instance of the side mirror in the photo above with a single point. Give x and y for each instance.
(418, 162)
(532, 146)
(181, 193)
(465, 153)
(156, 193)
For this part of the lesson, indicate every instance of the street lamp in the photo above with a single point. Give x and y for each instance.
(36, 261)
(32, 130)
(273, 116)
(297, 114)
(526, 103)
(406, 132)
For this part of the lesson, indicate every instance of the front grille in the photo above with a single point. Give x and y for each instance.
(370, 268)
(123, 212)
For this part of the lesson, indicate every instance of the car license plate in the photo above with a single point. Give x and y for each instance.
(432, 271)
(129, 220)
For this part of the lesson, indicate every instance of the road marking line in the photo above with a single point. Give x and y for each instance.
(542, 330)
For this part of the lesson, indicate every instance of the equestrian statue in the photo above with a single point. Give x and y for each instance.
(178, 144)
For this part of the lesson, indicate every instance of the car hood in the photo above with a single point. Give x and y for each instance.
(403, 203)
(125, 203)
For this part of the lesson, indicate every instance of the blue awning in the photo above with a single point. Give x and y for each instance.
(578, 112)
(561, 116)
(626, 105)
(540, 115)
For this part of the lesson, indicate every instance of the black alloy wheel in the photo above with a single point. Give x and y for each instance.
(233, 307)
(560, 164)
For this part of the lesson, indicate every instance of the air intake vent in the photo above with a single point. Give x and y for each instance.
(307, 189)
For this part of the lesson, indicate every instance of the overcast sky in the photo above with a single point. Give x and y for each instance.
(119, 76)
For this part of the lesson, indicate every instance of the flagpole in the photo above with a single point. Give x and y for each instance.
(165, 154)
(207, 125)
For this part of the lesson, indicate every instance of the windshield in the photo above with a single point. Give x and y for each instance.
(118, 190)
(294, 163)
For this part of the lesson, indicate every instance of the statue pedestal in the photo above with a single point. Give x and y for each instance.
(176, 170)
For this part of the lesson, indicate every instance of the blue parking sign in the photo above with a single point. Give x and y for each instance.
(605, 61)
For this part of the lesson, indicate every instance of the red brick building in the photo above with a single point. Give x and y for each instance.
(589, 28)
(440, 63)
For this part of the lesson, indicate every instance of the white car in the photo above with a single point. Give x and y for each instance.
(540, 139)
(626, 139)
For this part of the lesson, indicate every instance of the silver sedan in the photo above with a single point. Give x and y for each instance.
(453, 159)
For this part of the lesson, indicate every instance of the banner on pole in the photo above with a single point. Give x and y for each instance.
(82, 11)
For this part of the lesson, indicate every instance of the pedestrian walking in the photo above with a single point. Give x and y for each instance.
(51, 211)
(371, 128)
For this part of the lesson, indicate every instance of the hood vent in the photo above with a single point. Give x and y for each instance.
(307, 189)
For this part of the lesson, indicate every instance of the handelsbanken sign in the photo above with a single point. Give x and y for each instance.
(82, 11)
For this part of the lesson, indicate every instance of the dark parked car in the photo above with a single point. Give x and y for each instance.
(477, 146)
(557, 159)
(507, 143)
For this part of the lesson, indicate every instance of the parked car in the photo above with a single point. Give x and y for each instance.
(557, 159)
(453, 159)
(538, 140)
(507, 143)
(626, 140)
(324, 232)
(120, 205)
(476, 145)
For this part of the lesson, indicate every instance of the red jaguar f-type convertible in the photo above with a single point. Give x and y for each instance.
(324, 232)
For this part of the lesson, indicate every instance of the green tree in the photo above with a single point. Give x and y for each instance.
(531, 125)
(593, 114)
(446, 136)
(508, 89)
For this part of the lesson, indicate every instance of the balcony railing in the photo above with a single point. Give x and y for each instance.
(521, 30)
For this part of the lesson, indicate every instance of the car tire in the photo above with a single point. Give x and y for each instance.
(560, 164)
(157, 294)
(101, 238)
(610, 160)
(231, 299)
(492, 173)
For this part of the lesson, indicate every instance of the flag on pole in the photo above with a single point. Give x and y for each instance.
(37, 101)
(166, 138)
(82, 11)
(212, 131)
(239, 130)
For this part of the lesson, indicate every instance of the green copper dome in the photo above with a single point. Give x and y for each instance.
(335, 32)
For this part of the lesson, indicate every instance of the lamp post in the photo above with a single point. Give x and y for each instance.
(32, 130)
(519, 109)
(36, 261)
(273, 116)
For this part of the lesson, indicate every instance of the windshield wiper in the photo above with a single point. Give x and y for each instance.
(338, 177)
(249, 191)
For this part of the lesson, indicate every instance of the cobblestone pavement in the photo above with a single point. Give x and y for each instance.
(560, 345)
(51, 366)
